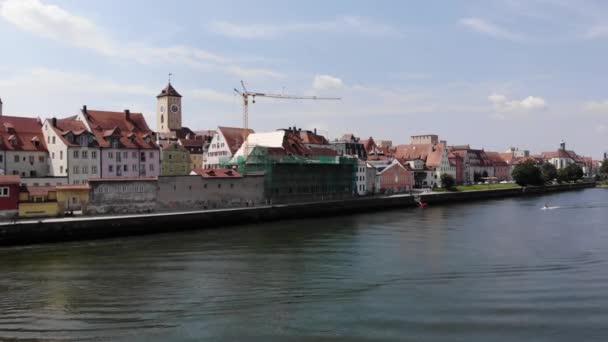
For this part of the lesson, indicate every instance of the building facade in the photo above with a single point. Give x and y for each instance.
(224, 144)
(23, 149)
(9, 196)
(175, 160)
(393, 178)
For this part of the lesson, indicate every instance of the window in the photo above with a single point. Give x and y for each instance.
(125, 168)
(110, 168)
(93, 169)
(40, 159)
(17, 159)
(1, 158)
(219, 185)
(111, 155)
(134, 155)
(61, 169)
(53, 155)
(134, 167)
(76, 169)
(151, 167)
(53, 140)
(205, 186)
(170, 156)
(125, 155)
(151, 155)
(60, 155)
(93, 154)
(85, 170)
(76, 154)
(4, 191)
(85, 154)
(31, 159)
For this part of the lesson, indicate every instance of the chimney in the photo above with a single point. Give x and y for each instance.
(0, 107)
(54, 122)
(315, 131)
(84, 109)
(443, 143)
(562, 145)
(128, 114)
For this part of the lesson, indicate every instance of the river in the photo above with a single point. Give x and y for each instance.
(500, 270)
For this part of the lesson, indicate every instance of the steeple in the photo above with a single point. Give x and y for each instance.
(168, 109)
(168, 91)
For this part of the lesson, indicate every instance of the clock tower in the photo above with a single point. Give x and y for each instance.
(168, 110)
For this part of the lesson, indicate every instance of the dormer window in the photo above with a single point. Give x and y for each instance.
(12, 140)
(84, 140)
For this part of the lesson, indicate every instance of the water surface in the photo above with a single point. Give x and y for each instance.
(501, 270)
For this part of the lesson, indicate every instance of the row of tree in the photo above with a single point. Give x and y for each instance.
(528, 173)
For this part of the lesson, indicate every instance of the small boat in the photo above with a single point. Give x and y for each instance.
(422, 205)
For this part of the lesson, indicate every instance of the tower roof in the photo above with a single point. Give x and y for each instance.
(168, 91)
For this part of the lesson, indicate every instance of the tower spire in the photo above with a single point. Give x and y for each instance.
(170, 74)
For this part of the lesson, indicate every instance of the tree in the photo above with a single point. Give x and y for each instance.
(549, 172)
(447, 181)
(575, 172)
(562, 176)
(527, 173)
(604, 167)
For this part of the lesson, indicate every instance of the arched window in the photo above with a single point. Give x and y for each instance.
(162, 119)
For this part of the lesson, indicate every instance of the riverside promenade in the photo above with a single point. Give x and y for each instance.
(48, 230)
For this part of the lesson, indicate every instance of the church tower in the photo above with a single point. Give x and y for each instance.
(168, 110)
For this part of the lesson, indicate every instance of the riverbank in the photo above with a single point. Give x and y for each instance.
(66, 229)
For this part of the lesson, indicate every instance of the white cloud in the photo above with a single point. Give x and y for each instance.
(484, 27)
(342, 24)
(596, 107)
(326, 82)
(213, 95)
(55, 23)
(503, 104)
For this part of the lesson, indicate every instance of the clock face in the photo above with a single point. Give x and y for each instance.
(162, 109)
(174, 108)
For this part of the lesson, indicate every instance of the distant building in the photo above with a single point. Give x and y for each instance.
(23, 150)
(38, 201)
(562, 157)
(393, 177)
(224, 144)
(428, 158)
(476, 164)
(349, 145)
(175, 160)
(502, 170)
(361, 178)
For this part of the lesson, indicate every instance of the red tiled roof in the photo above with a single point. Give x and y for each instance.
(168, 91)
(10, 179)
(561, 154)
(349, 138)
(369, 144)
(496, 158)
(323, 152)
(22, 131)
(429, 153)
(217, 173)
(73, 187)
(39, 190)
(309, 137)
(234, 137)
(106, 124)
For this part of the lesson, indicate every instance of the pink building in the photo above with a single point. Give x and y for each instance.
(127, 144)
(502, 170)
(393, 178)
(456, 163)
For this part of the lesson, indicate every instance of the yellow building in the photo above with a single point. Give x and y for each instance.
(72, 197)
(175, 160)
(38, 201)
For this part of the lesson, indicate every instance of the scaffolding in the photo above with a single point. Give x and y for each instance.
(290, 178)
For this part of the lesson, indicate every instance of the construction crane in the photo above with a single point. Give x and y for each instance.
(246, 94)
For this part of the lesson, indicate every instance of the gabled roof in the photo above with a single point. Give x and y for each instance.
(349, 137)
(23, 131)
(106, 124)
(168, 91)
(496, 158)
(10, 179)
(309, 137)
(234, 137)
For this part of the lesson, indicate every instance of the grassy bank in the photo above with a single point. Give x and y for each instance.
(475, 187)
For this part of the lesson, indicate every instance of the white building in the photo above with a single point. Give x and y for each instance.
(23, 151)
(361, 178)
(428, 158)
(225, 143)
(73, 151)
(562, 157)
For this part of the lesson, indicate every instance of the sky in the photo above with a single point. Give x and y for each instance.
(492, 74)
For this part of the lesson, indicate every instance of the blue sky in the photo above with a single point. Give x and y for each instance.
(492, 74)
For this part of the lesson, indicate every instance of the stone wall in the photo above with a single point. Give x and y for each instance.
(121, 196)
(195, 192)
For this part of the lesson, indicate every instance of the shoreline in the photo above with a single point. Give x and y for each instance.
(25, 232)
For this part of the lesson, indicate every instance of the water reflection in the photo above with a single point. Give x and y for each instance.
(498, 270)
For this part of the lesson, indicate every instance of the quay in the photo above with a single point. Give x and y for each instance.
(23, 232)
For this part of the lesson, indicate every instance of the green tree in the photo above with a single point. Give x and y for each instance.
(604, 167)
(447, 181)
(527, 173)
(549, 172)
(575, 172)
(562, 176)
